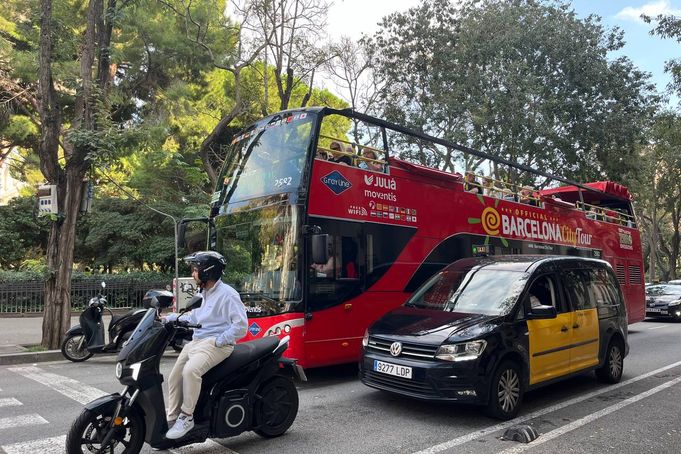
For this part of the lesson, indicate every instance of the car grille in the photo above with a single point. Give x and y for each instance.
(397, 384)
(408, 349)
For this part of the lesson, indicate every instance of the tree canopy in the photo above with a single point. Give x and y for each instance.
(524, 80)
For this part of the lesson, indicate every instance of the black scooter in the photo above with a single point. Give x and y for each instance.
(253, 389)
(87, 338)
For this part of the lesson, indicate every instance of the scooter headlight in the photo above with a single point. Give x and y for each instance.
(119, 370)
(135, 368)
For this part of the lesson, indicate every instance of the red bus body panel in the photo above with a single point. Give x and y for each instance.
(436, 206)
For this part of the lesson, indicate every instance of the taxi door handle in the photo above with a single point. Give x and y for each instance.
(564, 328)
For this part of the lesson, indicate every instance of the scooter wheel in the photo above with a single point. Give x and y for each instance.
(277, 408)
(70, 350)
(88, 431)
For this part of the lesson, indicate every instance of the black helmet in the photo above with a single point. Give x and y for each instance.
(209, 263)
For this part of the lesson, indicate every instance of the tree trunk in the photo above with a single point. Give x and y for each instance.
(57, 313)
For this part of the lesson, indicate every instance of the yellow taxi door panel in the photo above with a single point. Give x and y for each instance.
(549, 343)
(585, 339)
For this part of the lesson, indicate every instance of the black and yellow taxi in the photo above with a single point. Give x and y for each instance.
(487, 329)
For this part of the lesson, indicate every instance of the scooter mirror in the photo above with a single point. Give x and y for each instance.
(195, 302)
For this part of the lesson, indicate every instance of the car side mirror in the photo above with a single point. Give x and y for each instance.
(320, 248)
(542, 312)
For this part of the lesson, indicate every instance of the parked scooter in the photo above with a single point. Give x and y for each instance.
(251, 390)
(87, 338)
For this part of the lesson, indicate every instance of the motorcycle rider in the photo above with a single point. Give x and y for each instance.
(223, 321)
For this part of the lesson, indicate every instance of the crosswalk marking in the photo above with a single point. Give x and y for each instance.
(9, 402)
(32, 419)
(73, 389)
(54, 444)
(207, 447)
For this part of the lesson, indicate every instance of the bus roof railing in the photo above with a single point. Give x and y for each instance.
(472, 151)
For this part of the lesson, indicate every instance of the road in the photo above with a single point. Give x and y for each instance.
(340, 415)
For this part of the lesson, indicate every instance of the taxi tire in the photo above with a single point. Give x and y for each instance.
(611, 371)
(506, 391)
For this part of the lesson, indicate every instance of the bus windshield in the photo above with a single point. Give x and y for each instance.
(267, 158)
(261, 247)
(487, 291)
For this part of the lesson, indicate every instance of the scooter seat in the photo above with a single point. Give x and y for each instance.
(243, 354)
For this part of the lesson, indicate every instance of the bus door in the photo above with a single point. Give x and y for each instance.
(334, 324)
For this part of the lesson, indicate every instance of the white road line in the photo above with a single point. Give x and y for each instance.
(207, 447)
(504, 425)
(73, 389)
(54, 444)
(9, 402)
(23, 420)
(587, 419)
(658, 327)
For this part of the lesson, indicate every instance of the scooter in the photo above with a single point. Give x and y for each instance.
(253, 389)
(84, 340)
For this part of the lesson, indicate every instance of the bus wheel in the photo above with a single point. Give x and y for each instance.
(611, 371)
(506, 391)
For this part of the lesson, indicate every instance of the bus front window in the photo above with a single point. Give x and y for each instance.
(262, 255)
(268, 158)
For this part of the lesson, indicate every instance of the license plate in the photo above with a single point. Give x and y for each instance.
(392, 369)
(654, 309)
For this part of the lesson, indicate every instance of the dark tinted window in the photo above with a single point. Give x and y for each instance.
(578, 288)
(545, 291)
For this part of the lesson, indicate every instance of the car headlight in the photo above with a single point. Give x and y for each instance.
(675, 303)
(119, 370)
(461, 352)
(365, 339)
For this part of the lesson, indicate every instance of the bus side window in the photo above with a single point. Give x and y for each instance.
(341, 277)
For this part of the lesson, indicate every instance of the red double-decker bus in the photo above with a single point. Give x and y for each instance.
(327, 225)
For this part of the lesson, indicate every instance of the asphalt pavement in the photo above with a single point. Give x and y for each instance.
(38, 402)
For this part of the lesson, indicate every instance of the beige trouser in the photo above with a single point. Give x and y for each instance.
(184, 385)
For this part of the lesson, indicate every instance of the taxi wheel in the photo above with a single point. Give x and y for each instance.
(611, 371)
(506, 392)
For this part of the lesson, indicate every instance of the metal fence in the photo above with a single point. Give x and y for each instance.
(26, 297)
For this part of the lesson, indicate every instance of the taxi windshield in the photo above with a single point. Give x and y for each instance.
(475, 290)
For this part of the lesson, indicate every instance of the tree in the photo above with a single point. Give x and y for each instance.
(660, 195)
(522, 80)
(22, 237)
(81, 116)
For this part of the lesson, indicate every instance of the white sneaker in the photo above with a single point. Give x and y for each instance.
(183, 425)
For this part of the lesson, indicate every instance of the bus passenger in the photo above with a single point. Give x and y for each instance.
(337, 157)
(470, 183)
(489, 189)
(526, 196)
(323, 155)
(370, 165)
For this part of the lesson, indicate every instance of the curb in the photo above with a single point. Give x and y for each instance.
(30, 357)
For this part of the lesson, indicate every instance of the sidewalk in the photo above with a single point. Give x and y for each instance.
(15, 332)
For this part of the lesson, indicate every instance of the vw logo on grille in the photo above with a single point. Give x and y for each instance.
(396, 348)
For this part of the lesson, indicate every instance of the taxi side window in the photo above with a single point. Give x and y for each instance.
(544, 291)
(579, 289)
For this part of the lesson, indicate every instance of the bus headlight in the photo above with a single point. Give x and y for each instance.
(461, 352)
